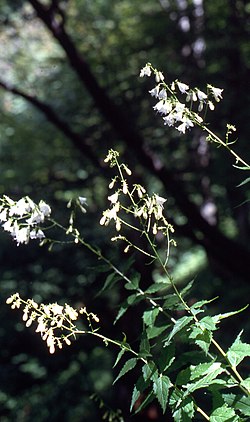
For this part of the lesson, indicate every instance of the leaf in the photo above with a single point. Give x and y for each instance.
(134, 298)
(131, 300)
(109, 282)
(150, 371)
(185, 412)
(241, 168)
(156, 287)
(161, 390)
(150, 397)
(153, 332)
(167, 357)
(172, 302)
(183, 377)
(150, 316)
(202, 338)
(246, 383)
(244, 182)
(218, 317)
(202, 369)
(241, 403)
(182, 408)
(178, 326)
(208, 323)
(238, 351)
(201, 303)
(210, 375)
(187, 288)
(193, 372)
(144, 346)
(130, 364)
(223, 414)
(120, 354)
(123, 308)
(139, 387)
(134, 282)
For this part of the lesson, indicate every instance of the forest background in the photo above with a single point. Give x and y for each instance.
(69, 91)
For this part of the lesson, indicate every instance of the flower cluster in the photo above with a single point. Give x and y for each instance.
(175, 112)
(133, 207)
(22, 218)
(55, 323)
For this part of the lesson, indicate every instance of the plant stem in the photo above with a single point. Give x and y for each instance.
(198, 409)
(218, 140)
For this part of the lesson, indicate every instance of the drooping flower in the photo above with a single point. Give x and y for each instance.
(201, 95)
(183, 88)
(145, 71)
(155, 91)
(163, 107)
(44, 208)
(216, 92)
(22, 235)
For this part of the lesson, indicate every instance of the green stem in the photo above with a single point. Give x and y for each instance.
(109, 340)
(198, 409)
(221, 142)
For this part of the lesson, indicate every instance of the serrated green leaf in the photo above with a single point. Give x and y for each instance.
(134, 298)
(123, 308)
(135, 396)
(238, 402)
(139, 388)
(119, 356)
(243, 404)
(223, 414)
(182, 408)
(211, 376)
(166, 358)
(161, 389)
(144, 346)
(183, 377)
(187, 288)
(153, 332)
(110, 281)
(238, 351)
(185, 412)
(193, 372)
(201, 303)
(202, 369)
(131, 300)
(219, 317)
(178, 326)
(133, 284)
(150, 397)
(130, 364)
(208, 322)
(246, 383)
(201, 337)
(171, 302)
(150, 371)
(150, 316)
(156, 287)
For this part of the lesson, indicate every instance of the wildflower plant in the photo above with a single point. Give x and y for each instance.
(166, 372)
(183, 108)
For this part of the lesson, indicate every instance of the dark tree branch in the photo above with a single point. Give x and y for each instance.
(52, 117)
(228, 253)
